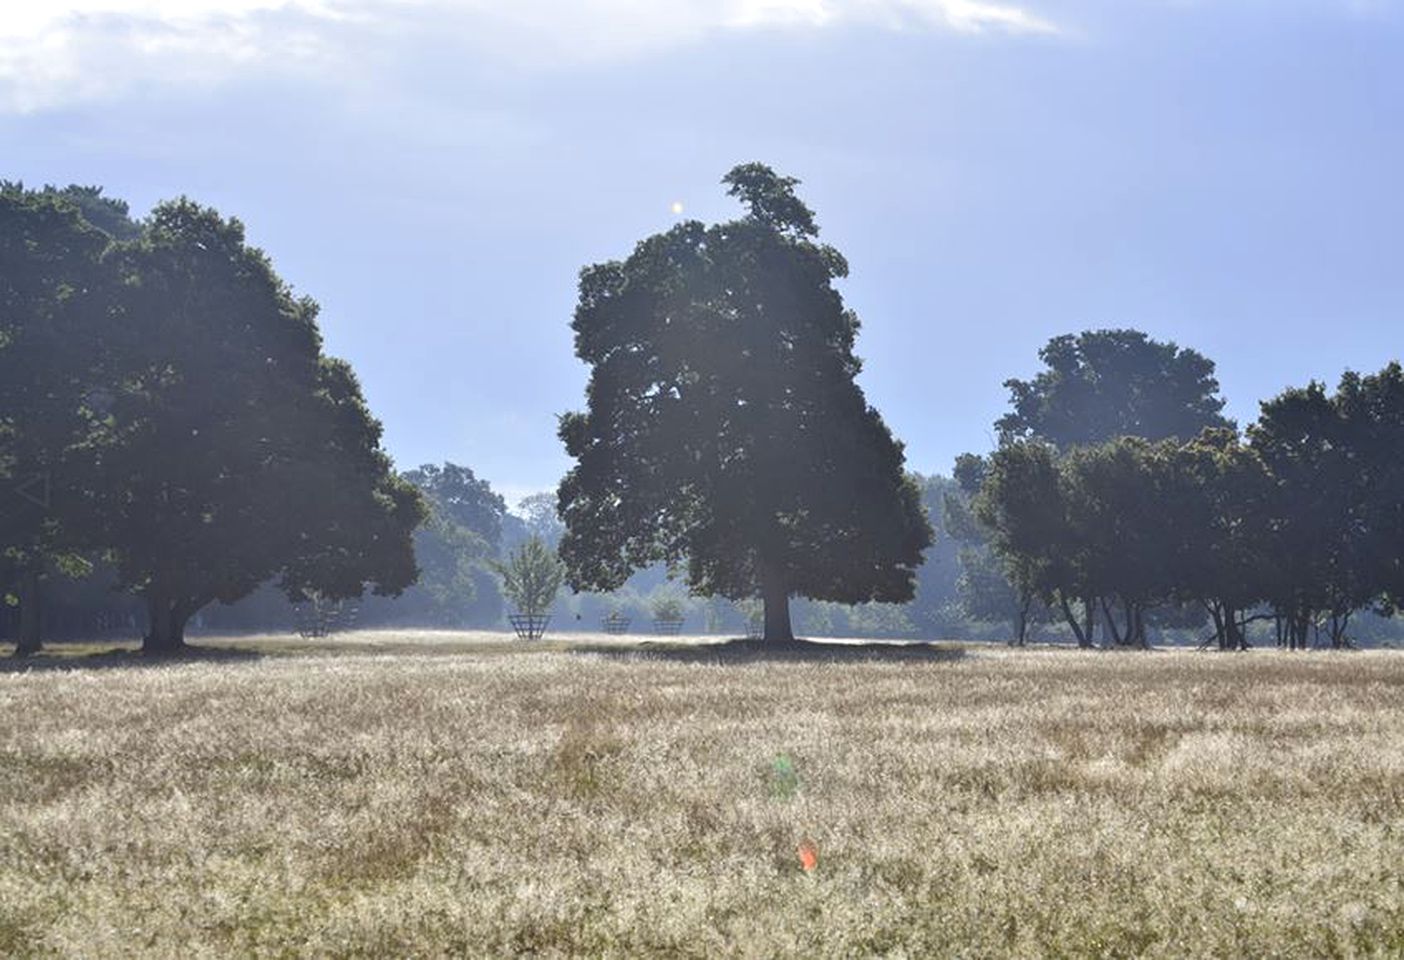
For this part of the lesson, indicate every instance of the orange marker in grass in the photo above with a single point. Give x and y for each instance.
(809, 855)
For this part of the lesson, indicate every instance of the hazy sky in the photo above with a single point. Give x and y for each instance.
(1223, 173)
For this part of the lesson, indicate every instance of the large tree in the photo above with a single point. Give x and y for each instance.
(725, 432)
(238, 452)
(1104, 384)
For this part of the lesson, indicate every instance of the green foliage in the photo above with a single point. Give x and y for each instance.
(1337, 520)
(936, 577)
(225, 449)
(448, 556)
(984, 591)
(55, 286)
(725, 433)
(461, 499)
(538, 512)
(531, 577)
(667, 605)
(1104, 384)
(1304, 518)
(453, 548)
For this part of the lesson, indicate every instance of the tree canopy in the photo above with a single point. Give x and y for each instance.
(239, 451)
(1301, 524)
(724, 431)
(1103, 384)
(175, 390)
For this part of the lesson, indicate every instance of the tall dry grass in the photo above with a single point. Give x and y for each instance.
(482, 803)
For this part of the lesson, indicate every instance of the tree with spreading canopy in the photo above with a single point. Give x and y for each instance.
(725, 433)
(238, 451)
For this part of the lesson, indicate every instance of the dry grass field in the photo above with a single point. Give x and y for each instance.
(429, 796)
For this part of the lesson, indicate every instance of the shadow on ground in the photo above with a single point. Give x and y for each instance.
(55, 659)
(760, 651)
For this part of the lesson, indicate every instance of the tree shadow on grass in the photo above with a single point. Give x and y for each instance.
(793, 651)
(52, 659)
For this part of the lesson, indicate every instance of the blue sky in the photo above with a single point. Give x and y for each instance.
(1223, 173)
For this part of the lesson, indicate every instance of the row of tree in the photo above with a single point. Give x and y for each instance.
(166, 409)
(1112, 515)
(168, 418)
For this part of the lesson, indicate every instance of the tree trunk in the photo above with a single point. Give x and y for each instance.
(1216, 613)
(1339, 623)
(1082, 630)
(1228, 639)
(31, 625)
(776, 596)
(1139, 627)
(1021, 620)
(166, 618)
(1071, 619)
(1111, 629)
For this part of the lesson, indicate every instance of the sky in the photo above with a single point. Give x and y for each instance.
(1220, 173)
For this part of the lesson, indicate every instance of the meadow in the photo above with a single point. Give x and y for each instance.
(427, 795)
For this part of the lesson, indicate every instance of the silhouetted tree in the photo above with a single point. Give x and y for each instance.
(984, 589)
(1025, 504)
(1115, 495)
(1218, 501)
(725, 430)
(239, 452)
(1336, 519)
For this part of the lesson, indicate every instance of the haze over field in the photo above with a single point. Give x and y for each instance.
(434, 173)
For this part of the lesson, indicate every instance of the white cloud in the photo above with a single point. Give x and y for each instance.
(57, 52)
